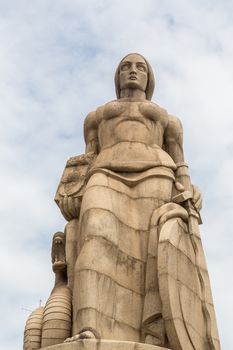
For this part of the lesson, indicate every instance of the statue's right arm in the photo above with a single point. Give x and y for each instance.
(70, 203)
(91, 133)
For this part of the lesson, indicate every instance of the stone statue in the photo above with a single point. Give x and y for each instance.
(133, 262)
(51, 324)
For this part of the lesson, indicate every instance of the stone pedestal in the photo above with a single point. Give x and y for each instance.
(88, 344)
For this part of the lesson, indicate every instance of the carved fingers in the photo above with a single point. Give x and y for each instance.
(70, 207)
(197, 197)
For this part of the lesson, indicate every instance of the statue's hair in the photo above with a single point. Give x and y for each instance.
(59, 234)
(150, 82)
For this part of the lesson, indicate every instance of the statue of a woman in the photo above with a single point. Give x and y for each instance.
(134, 258)
(139, 159)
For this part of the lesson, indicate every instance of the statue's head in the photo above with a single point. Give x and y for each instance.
(134, 72)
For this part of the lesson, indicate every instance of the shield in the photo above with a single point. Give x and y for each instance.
(184, 286)
(72, 184)
(74, 176)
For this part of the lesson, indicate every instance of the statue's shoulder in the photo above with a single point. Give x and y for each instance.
(174, 123)
(174, 129)
(153, 107)
(154, 112)
(90, 122)
(93, 118)
(157, 107)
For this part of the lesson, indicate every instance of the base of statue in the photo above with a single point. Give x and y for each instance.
(93, 344)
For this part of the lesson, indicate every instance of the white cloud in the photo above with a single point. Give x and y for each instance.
(57, 63)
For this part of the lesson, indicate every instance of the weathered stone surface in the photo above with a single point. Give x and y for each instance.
(130, 269)
(33, 329)
(187, 302)
(104, 345)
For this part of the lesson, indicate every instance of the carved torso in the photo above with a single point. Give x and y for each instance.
(122, 121)
(130, 136)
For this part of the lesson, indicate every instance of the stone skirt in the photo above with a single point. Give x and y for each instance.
(110, 271)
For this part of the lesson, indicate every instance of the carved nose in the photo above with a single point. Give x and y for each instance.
(133, 69)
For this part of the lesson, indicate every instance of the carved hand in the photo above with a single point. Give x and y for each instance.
(70, 207)
(197, 197)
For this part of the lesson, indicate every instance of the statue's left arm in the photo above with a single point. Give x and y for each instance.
(173, 143)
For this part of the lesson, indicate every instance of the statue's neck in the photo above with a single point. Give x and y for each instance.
(60, 278)
(133, 93)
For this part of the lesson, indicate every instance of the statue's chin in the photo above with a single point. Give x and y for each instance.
(59, 266)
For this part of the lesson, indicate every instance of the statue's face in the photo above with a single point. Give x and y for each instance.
(133, 73)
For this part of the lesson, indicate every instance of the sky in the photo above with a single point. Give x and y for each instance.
(57, 63)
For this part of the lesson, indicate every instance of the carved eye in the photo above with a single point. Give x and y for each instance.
(125, 66)
(58, 240)
(141, 67)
